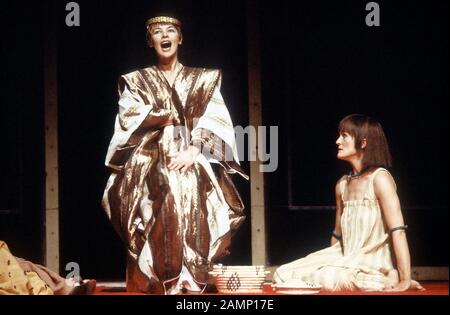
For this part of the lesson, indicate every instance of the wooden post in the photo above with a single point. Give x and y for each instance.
(51, 140)
(257, 207)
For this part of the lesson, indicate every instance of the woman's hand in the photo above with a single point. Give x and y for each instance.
(183, 160)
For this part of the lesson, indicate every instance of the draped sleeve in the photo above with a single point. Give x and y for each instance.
(137, 114)
(213, 133)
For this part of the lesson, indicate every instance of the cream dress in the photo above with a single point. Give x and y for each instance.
(361, 261)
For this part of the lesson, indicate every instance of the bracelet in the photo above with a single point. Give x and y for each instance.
(337, 236)
(401, 227)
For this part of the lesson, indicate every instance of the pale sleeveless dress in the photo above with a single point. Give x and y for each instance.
(363, 262)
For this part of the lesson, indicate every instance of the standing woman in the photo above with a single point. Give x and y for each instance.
(369, 250)
(170, 196)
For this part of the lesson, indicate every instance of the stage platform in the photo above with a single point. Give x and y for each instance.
(431, 288)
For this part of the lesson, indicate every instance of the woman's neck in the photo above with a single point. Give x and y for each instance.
(356, 166)
(168, 65)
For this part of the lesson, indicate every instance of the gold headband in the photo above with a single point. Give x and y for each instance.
(163, 19)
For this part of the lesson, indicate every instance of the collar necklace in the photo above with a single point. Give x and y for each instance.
(353, 175)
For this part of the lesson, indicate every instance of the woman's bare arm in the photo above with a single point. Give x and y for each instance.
(385, 191)
(339, 207)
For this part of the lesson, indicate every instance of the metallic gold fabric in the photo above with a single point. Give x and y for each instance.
(174, 224)
(163, 19)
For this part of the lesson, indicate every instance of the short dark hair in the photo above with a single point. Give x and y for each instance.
(376, 152)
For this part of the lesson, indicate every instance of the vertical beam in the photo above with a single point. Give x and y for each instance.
(258, 222)
(286, 24)
(51, 140)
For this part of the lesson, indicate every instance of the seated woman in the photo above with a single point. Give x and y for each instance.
(19, 276)
(369, 222)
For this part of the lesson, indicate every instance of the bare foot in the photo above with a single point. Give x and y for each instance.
(416, 285)
(86, 287)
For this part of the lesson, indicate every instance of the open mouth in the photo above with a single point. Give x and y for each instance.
(166, 45)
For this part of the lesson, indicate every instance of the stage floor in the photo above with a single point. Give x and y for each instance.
(431, 288)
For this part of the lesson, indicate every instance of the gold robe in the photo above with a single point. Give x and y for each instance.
(173, 224)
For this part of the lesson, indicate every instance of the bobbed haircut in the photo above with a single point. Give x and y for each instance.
(361, 127)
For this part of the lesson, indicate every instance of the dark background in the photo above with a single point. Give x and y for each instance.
(320, 62)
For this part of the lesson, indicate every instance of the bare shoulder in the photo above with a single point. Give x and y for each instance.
(342, 179)
(383, 181)
(339, 183)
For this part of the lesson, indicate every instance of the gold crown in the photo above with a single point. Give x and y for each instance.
(163, 19)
